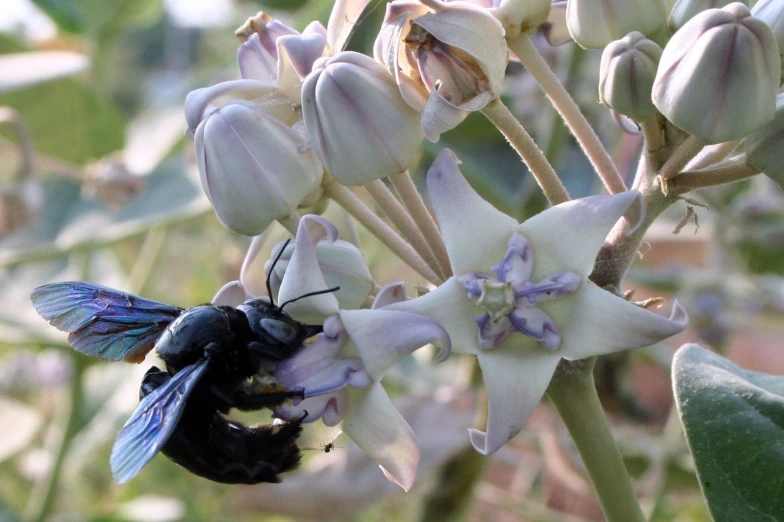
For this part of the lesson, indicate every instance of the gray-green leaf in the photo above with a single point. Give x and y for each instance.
(734, 422)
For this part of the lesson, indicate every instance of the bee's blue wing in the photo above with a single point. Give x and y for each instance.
(152, 423)
(103, 322)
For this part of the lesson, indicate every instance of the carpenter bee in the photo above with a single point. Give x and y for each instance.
(211, 353)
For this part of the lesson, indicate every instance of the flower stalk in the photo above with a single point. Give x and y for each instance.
(413, 202)
(725, 173)
(571, 114)
(403, 221)
(575, 399)
(354, 206)
(690, 147)
(531, 154)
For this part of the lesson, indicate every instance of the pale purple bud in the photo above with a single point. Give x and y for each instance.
(685, 10)
(595, 23)
(521, 16)
(626, 75)
(267, 27)
(718, 75)
(360, 126)
(446, 62)
(341, 263)
(253, 168)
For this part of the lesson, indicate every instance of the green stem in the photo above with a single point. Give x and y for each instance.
(718, 175)
(568, 109)
(148, 256)
(42, 498)
(525, 146)
(575, 399)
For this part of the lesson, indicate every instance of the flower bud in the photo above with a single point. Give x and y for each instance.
(626, 75)
(521, 16)
(684, 10)
(253, 168)
(360, 126)
(446, 63)
(341, 263)
(595, 23)
(257, 56)
(772, 13)
(765, 146)
(718, 75)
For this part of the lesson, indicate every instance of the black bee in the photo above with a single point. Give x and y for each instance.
(211, 353)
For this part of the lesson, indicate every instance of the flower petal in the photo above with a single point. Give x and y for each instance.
(439, 115)
(330, 408)
(296, 55)
(196, 101)
(383, 337)
(568, 236)
(537, 325)
(475, 232)
(390, 293)
(515, 383)
(232, 293)
(375, 425)
(303, 274)
(448, 306)
(518, 263)
(604, 323)
(492, 334)
(342, 19)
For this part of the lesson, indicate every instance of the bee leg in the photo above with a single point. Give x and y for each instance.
(247, 402)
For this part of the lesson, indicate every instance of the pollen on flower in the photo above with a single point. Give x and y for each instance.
(508, 300)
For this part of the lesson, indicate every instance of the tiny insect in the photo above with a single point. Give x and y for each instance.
(211, 354)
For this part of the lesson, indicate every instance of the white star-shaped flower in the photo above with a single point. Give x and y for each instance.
(340, 371)
(520, 298)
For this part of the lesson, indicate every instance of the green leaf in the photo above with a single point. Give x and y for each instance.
(734, 422)
(68, 120)
(69, 222)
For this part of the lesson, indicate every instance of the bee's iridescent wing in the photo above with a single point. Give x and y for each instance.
(153, 423)
(103, 322)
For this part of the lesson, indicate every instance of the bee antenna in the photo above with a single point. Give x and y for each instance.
(275, 262)
(310, 294)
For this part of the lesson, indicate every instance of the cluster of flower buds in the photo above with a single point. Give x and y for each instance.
(307, 117)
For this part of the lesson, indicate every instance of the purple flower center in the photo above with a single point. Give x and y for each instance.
(509, 298)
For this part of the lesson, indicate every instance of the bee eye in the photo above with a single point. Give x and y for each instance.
(279, 330)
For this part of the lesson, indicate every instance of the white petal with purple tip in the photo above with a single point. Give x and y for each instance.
(475, 232)
(605, 323)
(514, 387)
(568, 236)
(383, 337)
(373, 422)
